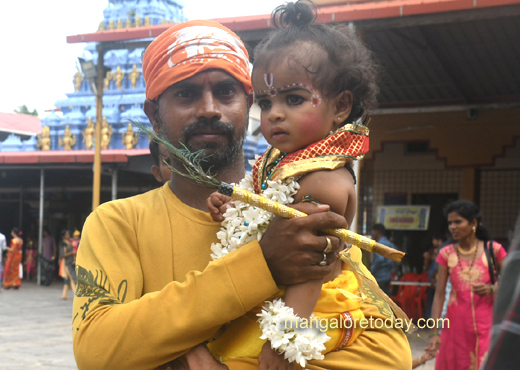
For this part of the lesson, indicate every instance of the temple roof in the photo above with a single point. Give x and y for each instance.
(70, 156)
(335, 12)
(21, 124)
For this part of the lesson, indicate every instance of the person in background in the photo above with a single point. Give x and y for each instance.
(381, 267)
(31, 253)
(463, 345)
(3, 255)
(49, 253)
(67, 263)
(14, 259)
(431, 267)
(160, 170)
(76, 238)
(425, 357)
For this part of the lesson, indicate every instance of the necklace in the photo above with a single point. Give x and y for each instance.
(467, 252)
(459, 251)
(269, 169)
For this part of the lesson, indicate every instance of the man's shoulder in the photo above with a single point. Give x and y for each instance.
(139, 202)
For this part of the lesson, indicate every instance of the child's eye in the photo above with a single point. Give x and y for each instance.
(264, 104)
(294, 100)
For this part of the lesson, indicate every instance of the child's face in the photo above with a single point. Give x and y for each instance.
(293, 113)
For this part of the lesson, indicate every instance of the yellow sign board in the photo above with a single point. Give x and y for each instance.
(403, 217)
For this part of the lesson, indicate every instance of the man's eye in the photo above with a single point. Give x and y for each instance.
(264, 104)
(294, 99)
(226, 91)
(185, 94)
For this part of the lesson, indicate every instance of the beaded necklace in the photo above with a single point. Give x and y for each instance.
(269, 169)
(468, 272)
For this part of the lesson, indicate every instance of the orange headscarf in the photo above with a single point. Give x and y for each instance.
(189, 48)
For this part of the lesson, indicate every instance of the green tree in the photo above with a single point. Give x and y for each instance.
(22, 109)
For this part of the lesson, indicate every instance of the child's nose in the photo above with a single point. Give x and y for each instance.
(276, 114)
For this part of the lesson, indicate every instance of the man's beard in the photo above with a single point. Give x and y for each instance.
(213, 159)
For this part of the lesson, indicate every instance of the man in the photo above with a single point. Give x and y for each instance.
(146, 295)
(381, 267)
(160, 170)
(48, 245)
(3, 247)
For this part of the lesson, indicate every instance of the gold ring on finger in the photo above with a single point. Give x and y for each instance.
(328, 248)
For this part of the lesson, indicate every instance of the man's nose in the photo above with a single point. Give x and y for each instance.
(209, 107)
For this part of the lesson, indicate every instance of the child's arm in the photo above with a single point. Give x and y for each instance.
(217, 205)
(335, 188)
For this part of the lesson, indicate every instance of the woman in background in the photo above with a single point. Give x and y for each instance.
(463, 344)
(67, 262)
(14, 259)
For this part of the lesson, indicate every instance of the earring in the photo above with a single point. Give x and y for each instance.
(474, 229)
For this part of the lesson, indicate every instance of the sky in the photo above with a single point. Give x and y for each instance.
(36, 63)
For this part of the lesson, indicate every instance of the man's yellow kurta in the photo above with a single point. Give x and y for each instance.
(146, 293)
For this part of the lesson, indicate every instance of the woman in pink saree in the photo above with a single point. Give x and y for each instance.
(464, 342)
(14, 259)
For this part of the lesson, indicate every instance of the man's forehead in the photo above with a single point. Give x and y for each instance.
(211, 76)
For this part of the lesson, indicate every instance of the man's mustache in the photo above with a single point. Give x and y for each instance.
(226, 128)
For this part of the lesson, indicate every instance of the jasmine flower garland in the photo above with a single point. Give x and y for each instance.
(244, 223)
(298, 343)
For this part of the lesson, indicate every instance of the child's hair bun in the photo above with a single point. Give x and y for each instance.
(301, 13)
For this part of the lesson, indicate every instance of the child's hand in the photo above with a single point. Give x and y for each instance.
(217, 205)
(270, 359)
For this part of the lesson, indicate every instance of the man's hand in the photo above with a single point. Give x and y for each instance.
(197, 358)
(293, 247)
(270, 359)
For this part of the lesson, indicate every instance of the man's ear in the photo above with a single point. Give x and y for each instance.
(150, 109)
(250, 100)
(343, 106)
(157, 174)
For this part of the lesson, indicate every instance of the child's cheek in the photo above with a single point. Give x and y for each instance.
(309, 122)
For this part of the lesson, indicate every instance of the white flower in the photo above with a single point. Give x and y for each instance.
(298, 345)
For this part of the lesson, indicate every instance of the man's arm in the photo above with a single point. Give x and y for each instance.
(116, 326)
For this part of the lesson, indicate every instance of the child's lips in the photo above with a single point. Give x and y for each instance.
(278, 134)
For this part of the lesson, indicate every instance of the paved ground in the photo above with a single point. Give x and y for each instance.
(35, 330)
